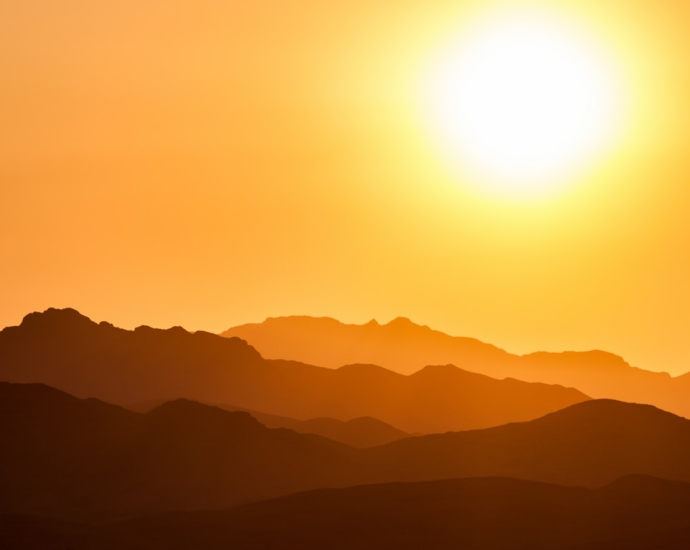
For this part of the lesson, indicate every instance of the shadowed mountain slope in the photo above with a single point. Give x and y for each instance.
(405, 347)
(66, 350)
(588, 444)
(78, 458)
(61, 456)
(634, 513)
(359, 432)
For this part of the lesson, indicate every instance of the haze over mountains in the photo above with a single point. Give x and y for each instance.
(405, 347)
(66, 350)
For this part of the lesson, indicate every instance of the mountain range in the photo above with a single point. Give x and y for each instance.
(405, 347)
(68, 351)
(69, 457)
(150, 439)
(86, 459)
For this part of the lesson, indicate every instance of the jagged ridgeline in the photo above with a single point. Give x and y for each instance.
(406, 347)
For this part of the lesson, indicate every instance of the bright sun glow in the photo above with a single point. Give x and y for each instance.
(525, 100)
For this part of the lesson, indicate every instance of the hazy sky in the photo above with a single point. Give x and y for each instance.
(207, 164)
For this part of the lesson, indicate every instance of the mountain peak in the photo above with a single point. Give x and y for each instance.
(403, 321)
(431, 370)
(612, 411)
(52, 317)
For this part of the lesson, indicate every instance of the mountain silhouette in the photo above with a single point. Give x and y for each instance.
(85, 459)
(359, 432)
(66, 350)
(589, 444)
(634, 513)
(405, 347)
(69, 457)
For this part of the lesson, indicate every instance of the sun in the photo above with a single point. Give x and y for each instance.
(524, 101)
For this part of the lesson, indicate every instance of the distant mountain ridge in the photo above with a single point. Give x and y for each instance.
(86, 459)
(66, 350)
(405, 347)
(360, 432)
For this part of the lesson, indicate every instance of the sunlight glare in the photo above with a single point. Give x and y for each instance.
(523, 101)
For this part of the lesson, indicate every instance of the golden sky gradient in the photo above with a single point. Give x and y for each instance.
(208, 164)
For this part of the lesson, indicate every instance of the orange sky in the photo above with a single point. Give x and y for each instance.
(213, 163)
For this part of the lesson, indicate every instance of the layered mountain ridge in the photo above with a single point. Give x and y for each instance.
(405, 347)
(66, 350)
(359, 432)
(86, 459)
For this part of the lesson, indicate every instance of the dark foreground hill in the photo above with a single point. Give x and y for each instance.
(634, 513)
(65, 457)
(68, 351)
(359, 432)
(68, 457)
(405, 347)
